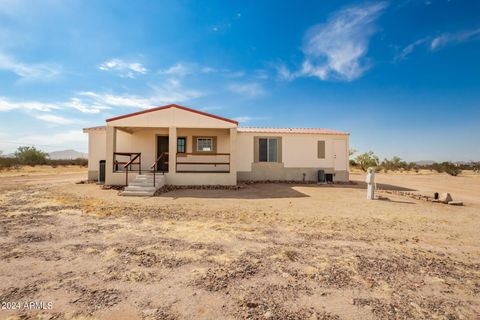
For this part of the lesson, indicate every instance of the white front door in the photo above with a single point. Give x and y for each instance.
(340, 154)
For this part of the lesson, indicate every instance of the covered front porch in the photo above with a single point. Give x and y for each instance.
(186, 156)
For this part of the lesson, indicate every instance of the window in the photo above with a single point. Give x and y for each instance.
(204, 144)
(321, 149)
(268, 150)
(182, 145)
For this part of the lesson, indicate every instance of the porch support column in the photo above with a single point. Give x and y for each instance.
(233, 155)
(172, 150)
(111, 147)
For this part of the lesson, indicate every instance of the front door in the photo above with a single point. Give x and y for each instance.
(162, 146)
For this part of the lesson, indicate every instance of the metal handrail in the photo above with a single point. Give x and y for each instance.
(129, 163)
(154, 166)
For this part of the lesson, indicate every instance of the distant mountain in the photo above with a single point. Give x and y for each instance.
(425, 162)
(67, 155)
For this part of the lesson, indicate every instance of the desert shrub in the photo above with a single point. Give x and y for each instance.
(366, 160)
(394, 164)
(67, 162)
(31, 156)
(352, 163)
(476, 166)
(8, 163)
(451, 168)
(447, 167)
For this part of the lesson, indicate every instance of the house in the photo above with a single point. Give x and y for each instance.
(184, 146)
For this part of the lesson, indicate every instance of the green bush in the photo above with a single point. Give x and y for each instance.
(394, 164)
(8, 163)
(366, 160)
(31, 156)
(67, 162)
(451, 168)
(447, 167)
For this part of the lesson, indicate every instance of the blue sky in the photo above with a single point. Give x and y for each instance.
(403, 77)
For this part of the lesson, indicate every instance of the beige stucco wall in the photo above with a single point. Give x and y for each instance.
(171, 117)
(96, 151)
(144, 141)
(299, 155)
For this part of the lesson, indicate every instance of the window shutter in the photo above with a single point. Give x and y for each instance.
(279, 149)
(321, 149)
(194, 144)
(255, 149)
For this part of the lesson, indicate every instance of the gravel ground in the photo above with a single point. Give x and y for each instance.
(265, 251)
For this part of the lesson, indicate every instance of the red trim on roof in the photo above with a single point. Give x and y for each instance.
(172, 106)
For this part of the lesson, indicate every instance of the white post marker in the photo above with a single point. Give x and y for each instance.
(370, 180)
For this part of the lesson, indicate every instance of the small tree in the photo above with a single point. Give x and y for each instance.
(394, 164)
(451, 168)
(475, 166)
(366, 160)
(31, 156)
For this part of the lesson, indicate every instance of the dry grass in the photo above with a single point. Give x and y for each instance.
(41, 170)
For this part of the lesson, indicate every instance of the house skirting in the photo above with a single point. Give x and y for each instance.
(262, 171)
(93, 175)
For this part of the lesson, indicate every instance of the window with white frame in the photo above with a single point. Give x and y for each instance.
(204, 144)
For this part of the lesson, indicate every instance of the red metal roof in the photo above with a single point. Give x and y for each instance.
(172, 106)
(291, 130)
(266, 130)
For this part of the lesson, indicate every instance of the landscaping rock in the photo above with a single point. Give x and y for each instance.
(455, 203)
(446, 197)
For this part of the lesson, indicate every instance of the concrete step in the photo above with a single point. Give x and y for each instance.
(149, 180)
(141, 188)
(144, 184)
(149, 177)
(137, 193)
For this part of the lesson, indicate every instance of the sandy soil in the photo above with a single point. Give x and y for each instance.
(265, 251)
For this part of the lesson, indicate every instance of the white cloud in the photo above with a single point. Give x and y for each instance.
(72, 139)
(251, 90)
(54, 119)
(106, 100)
(170, 91)
(8, 105)
(38, 72)
(179, 70)
(439, 41)
(409, 49)
(78, 104)
(124, 68)
(284, 73)
(247, 119)
(453, 38)
(336, 48)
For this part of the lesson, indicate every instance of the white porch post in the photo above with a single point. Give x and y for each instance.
(111, 147)
(233, 155)
(172, 150)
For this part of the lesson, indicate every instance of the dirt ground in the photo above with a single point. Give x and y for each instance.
(265, 251)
